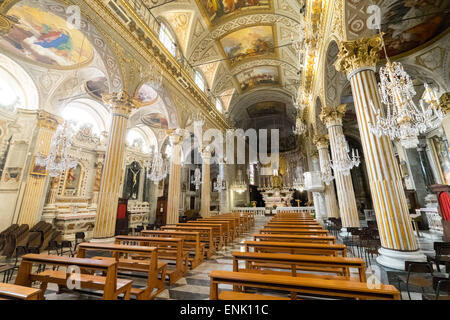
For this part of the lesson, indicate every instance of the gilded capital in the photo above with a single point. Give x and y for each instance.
(444, 102)
(48, 120)
(332, 116)
(6, 24)
(358, 54)
(321, 141)
(175, 136)
(120, 102)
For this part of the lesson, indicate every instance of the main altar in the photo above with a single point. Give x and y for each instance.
(275, 194)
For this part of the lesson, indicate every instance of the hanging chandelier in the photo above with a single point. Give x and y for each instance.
(299, 181)
(220, 184)
(402, 119)
(197, 178)
(343, 162)
(300, 126)
(326, 174)
(239, 185)
(58, 159)
(159, 168)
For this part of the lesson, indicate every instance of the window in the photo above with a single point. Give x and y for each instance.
(199, 81)
(9, 97)
(80, 116)
(219, 105)
(167, 39)
(136, 139)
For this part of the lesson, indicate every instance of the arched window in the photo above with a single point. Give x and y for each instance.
(219, 105)
(200, 81)
(137, 139)
(166, 38)
(87, 112)
(10, 98)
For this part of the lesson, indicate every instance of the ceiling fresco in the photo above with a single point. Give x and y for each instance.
(46, 39)
(215, 10)
(257, 76)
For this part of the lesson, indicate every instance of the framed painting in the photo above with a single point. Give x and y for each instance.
(72, 182)
(442, 154)
(36, 169)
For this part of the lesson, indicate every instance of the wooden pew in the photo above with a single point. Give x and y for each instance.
(294, 238)
(111, 286)
(10, 291)
(206, 236)
(295, 226)
(218, 231)
(297, 248)
(192, 244)
(151, 267)
(337, 289)
(294, 231)
(237, 223)
(228, 232)
(260, 262)
(314, 223)
(169, 249)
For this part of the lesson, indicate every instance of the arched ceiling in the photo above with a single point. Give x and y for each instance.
(243, 48)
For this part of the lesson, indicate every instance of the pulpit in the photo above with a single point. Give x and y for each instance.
(443, 195)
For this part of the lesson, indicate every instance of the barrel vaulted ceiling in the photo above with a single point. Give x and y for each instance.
(242, 47)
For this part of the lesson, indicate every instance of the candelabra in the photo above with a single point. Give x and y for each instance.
(402, 119)
(343, 162)
(58, 159)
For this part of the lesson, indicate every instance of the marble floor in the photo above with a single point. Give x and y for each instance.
(195, 285)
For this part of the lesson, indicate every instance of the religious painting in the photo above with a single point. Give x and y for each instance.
(146, 95)
(132, 179)
(216, 9)
(263, 75)
(155, 120)
(248, 42)
(408, 24)
(442, 153)
(266, 108)
(37, 169)
(46, 39)
(73, 181)
(97, 87)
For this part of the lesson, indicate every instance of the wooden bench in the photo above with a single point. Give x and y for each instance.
(192, 244)
(294, 231)
(218, 231)
(206, 236)
(294, 226)
(237, 223)
(337, 289)
(260, 262)
(111, 286)
(314, 223)
(297, 248)
(228, 232)
(151, 266)
(294, 238)
(169, 249)
(10, 291)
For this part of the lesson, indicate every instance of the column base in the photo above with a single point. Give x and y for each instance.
(103, 240)
(396, 259)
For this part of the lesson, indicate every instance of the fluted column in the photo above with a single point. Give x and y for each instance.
(332, 117)
(206, 183)
(173, 204)
(121, 106)
(223, 195)
(34, 194)
(324, 158)
(358, 59)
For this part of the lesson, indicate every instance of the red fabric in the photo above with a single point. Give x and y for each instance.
(122, 211)
(444, 201)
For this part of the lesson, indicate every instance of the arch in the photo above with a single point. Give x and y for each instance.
(87, 111)
(17, 80)
(333, 80)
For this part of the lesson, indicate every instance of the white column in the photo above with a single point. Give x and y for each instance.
(173, 197)
(206, 183)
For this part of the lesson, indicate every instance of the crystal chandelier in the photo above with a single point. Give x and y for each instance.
(299, 181)
(159, 168)
(300, 126)
(343, 162)
(402, 119)
(220, 184)
(58, 159)
(239, 186)
(197, 178)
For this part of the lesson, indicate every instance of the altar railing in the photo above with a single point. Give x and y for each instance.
(257, 211)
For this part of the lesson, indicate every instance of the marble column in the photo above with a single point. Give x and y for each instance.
(121, 106)
(358, 60)
(319, 197)
(223, 194)
(332, 117)
(173, 204)
(35, 189)
(331, 204)
(206, 183)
